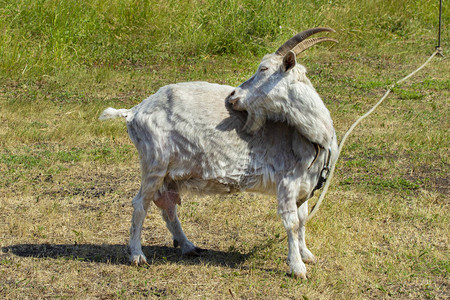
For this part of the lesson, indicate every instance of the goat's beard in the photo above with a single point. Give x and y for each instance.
(257, 117)
(255, 120)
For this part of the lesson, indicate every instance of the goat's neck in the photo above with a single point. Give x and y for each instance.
(304, 110)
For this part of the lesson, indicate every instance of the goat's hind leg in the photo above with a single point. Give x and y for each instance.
(149, 187)
(140, 206)
(174, 226)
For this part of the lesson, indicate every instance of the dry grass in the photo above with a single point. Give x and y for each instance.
(67, 238)
(381, 233)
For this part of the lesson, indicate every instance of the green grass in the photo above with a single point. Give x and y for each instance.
(48, 38)
(67, 179)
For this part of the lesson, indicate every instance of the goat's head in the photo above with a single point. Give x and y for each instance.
(269, 93)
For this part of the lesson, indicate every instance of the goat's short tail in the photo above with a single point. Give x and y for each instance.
(112, 113)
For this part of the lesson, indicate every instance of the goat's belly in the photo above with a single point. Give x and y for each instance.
(217, 187)
(226, 185)
(207, 186)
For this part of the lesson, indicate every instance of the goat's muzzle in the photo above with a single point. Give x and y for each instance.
(233, 99)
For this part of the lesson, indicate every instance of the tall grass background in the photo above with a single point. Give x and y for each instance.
(47, 37)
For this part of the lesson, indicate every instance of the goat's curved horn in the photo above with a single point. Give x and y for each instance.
(299, 37)
(302, 46)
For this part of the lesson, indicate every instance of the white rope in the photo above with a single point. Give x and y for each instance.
(341, 144)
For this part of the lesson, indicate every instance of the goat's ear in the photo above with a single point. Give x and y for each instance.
(289, 61)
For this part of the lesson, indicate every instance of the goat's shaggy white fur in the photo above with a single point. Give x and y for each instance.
(271, 94)
(189, 137)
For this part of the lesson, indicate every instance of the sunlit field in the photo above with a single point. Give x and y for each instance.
(67, 179)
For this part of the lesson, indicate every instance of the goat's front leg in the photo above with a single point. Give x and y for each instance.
(291, 223)
(307, 256)
(287, 209)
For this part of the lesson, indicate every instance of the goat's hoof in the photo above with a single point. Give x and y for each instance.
(308, 257)
(138, 260)
(299, 275)
(175, 243)
(195, 252)
(298, 270)
(310, 260)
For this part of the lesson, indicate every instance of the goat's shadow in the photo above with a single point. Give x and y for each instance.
(119, 254)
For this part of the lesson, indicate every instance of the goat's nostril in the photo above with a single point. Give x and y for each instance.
(233, 100)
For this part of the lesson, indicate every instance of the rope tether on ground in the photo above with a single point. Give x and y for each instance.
(341, 144)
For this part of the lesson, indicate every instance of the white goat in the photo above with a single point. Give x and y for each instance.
(263, 136)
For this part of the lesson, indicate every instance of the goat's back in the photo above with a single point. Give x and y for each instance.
(186, 131)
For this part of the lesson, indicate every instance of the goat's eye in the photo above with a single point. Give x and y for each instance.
(262, 69)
